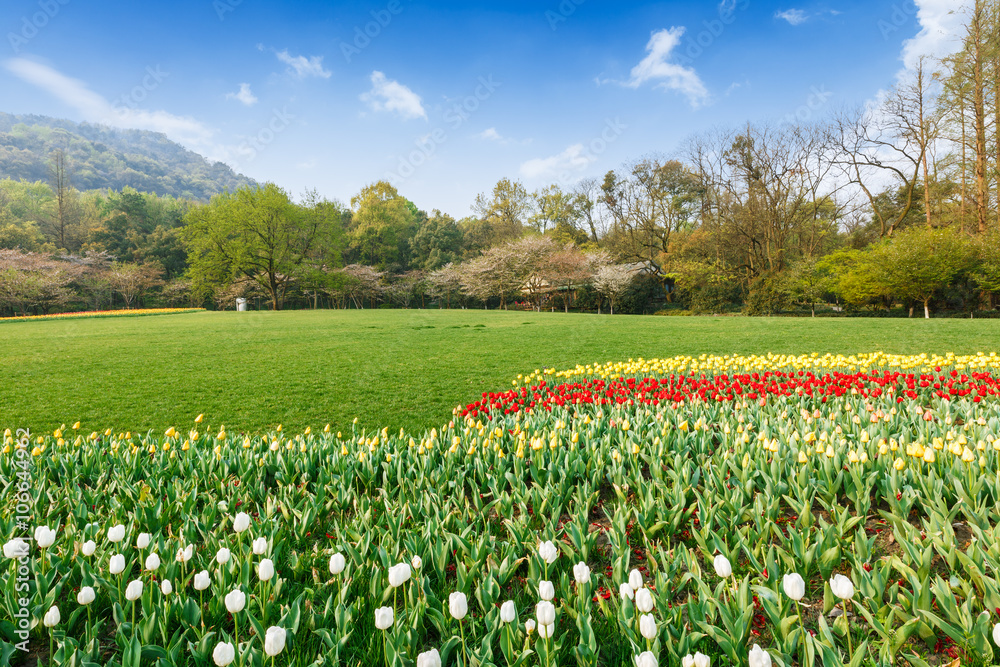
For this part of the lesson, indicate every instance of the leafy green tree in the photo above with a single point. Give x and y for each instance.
(919, 262)
(857, 277)
(255, 233)
(438, 241)
(506, 210)
(381, 226)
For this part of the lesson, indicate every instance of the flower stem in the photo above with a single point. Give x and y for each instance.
(847, 624)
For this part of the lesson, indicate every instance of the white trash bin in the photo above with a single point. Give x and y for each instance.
(241, 304)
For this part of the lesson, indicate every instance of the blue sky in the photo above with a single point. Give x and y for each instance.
(445, 98)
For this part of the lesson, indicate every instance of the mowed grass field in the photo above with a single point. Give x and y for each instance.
(392, 368)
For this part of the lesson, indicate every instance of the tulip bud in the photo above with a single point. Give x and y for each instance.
(647, 626)
(429, 659)
(241, 522)
(51, 618)
(723, 567)
(265, 570)
(529, 626)
(88, 548)
(759, 657)
(116, 564)
(581, 572)
(399, 575)
(458, 605)
(546, 590)
(222, 556)
(416, 563)
(274, 640)
(546, 612)
(143, 540)
(508, 612)
(635, 579)
(647, 659)
(223, 654)
(236, 600)
(383, 618)
(202, 580)
(794, 585)
(45, 537)
(222, 506)
(152, 561)
(260, 546)
(842, 587)
(548, 552)
(116, 533)
(134, 590)
(86, 595)
(166, 587)
(644, 600)
(626, 591)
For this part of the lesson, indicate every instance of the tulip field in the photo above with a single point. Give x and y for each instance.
(713, 510)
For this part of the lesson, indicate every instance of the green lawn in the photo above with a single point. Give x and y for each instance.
(405, 368)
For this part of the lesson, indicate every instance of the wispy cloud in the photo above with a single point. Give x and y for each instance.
(95, 108)
(574, 159)
(667, 75)
(244, 95)
(301, 67)
(392, 96)
(941, 23)
(793, 16)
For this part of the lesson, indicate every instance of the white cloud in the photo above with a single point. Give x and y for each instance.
(302, 67)
(573, 159)
(491, 135)
(670, 76)
(793, 16)
(941, 27)
(389, 95)
(244, 95)
(95, 108)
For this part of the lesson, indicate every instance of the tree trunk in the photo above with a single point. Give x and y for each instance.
(927, 311)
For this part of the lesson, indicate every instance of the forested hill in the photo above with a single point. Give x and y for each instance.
(99, 157)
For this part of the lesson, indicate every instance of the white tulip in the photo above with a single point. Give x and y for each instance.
(529, 626)
(86, 595)
(759, 657)
(701, 660)
(508, 612)
(134, 590)
(260, 546)
(337, 563)
(626, 591)
(45, 537)
(687, 661)
(222, 506)
(546, 590)
(152, 561)
(202, 580)
(548, 552)
(723, 567)
(794, 585)
(458, 605)
(545, 630)
(274, 640)
(647, 626)
(116, 564)
(241, 522)
(223, 555)
(16, 548)
(581, 572)
(166, 587)
(265, 570)
(143, 540)
(88, 548)
(842, 587)
(383, 618)
(116, 533)
(429, 659)
(51, 618)
(416, 563)
(635, 580)
(185, 554)
(644, 600)
(399, 575)
(996, 634)
(236, 600)
(546, 612)
(647, 659)
(223, 654)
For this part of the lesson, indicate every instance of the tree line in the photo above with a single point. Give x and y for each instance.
(889, 207)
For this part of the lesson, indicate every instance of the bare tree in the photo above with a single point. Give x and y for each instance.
(133, 281)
